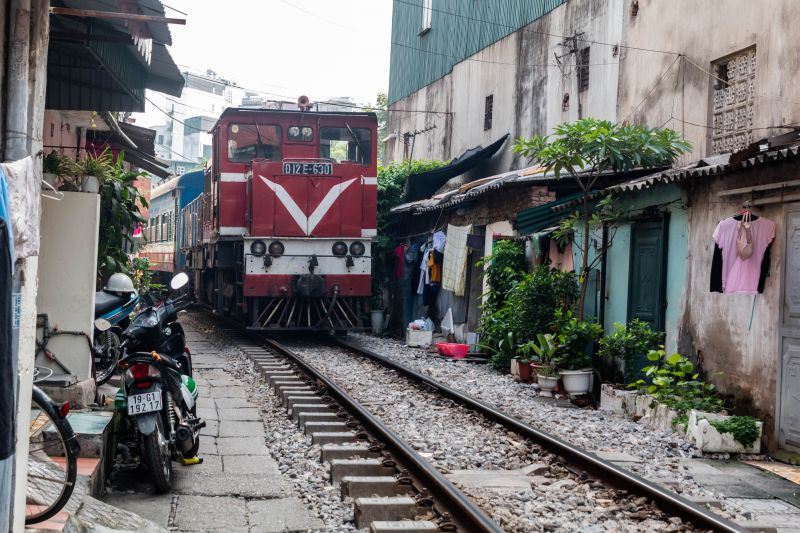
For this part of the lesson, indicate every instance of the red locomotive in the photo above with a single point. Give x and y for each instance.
(281, 237)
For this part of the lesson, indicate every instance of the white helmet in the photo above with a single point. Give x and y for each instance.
(119, 283)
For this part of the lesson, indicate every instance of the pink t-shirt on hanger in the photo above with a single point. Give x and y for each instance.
(740, 276)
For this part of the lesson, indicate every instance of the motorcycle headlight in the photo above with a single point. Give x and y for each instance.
(276, 248)
(357, 248)
(339, 249)
(258, 248)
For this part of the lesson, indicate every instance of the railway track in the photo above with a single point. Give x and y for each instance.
(321, 396)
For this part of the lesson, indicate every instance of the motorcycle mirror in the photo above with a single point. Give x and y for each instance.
(102, 324)
(179, 281)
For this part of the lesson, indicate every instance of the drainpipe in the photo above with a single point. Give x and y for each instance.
(17, 87)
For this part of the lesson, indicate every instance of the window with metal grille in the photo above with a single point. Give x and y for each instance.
(487, 112)
(427, 15)
(733, 94)
(583, 69)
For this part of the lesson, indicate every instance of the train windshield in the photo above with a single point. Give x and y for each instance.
(346, 145)
(248, 141)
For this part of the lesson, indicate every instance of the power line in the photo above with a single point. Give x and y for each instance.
(542, 65)
(187, 159)
(515, 28)
(316, 15)
(653, 88)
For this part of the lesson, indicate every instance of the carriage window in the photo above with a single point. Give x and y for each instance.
(247, 142)
(300, 133)
(350, 145)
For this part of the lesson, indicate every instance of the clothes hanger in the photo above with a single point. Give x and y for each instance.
(746, 210)
(58, 195)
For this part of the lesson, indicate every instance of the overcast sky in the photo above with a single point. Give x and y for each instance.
(320, 48)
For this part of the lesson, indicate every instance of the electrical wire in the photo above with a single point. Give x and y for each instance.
(653, 88)
(316, 15)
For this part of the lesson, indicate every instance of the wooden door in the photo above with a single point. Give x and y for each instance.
(789, 365)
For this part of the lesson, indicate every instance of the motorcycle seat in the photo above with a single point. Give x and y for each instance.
(105, 302)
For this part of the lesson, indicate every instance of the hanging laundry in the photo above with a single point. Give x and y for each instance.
(24, 188)
(7, 371)
(398, 268)
(439, 239)
(435, 260)
(424, 271)
(732, 274)
(455, 259)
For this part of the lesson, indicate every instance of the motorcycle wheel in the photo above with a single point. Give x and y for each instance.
(106, 347)
(158, 457)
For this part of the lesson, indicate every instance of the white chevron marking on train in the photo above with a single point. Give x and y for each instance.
(307, 224)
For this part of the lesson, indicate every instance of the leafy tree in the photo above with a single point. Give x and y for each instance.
(380, 110)
(119, 214)
(587, 148)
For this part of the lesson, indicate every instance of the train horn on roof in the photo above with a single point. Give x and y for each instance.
(304, 103)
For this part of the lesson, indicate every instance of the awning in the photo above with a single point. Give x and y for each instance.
(106, 65)
(533, 219)
(141, 156)
(423, 185)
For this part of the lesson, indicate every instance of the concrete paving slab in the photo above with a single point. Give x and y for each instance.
(228, 392)
(277, 516)
(236, 428)
(229, 382)
(204, 402)
(240, 413)
(211, 429)
(202, 513)
(250, 464)
(242, 446)
(230, 403)
(210, 464)
(242, 485)
(207, 414)
(153, 508)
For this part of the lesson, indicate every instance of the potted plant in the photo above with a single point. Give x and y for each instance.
(55, 166)
(376, 313)
(94, 170)
(545, 347)
(575, 338)
(505, 351)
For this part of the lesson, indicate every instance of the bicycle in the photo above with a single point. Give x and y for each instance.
(52, 457)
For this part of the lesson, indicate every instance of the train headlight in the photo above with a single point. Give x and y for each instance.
(357, 248)
(258, 248)
(276, 248)
(339, 249)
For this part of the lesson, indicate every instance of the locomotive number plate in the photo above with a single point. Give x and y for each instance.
(144, 403)
(317, 169)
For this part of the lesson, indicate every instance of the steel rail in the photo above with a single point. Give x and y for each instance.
(468, 513)
(593, 465)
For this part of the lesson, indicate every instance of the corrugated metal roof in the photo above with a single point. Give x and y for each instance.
(543, 216)
(459, 29)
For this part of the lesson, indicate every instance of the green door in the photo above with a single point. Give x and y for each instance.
(647, 279)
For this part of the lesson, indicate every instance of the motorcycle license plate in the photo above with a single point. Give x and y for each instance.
(144, 403)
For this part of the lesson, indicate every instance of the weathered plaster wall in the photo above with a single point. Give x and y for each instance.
(527, 85)
(706, 32)
(742, 360)
(619, 255)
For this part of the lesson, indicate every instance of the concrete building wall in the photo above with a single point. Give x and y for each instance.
(526, 83)
(67, 271)
(705, 32)
(741, 358)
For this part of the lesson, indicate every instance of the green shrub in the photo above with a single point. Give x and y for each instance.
(536, 298)
(502, 352)
(743, 428)
(630, 343)
(674, 383)
(575, 338)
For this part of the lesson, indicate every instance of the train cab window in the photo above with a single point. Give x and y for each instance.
(248, 141)
(346, 145)
(300, 133)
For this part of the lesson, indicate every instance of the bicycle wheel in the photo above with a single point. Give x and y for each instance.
(52, 466)
(106, 349)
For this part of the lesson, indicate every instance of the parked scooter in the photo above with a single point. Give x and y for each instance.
(114, 303)
(158, 395)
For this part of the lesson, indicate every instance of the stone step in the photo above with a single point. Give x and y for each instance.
(292, 391)
(366, 486)
(340, 468)
(315, 407)
(395, 508)
(328, 426)
(403, 526)
(333, 437)
(330, 452)
(328, 416)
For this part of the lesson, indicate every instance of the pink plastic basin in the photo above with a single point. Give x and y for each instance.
(454, 350)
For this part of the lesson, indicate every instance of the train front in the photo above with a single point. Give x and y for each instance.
(310, 217)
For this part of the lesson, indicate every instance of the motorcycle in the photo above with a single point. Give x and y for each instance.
(115, 308)
(157, 401)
